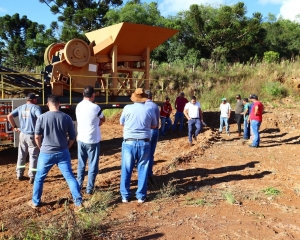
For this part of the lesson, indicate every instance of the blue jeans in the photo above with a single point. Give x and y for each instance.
(164, 128)
(91, 152)
(222, 121)
(246, 129)
(134, 152)
(45, 162)
(255, 125)
(179, 116)
(191, 124)
(153, 142)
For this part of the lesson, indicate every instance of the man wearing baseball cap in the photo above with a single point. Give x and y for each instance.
(28, 114)
(256, 119)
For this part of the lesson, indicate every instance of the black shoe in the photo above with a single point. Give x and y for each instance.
(20, 178)
(195, 138)
(31, 180)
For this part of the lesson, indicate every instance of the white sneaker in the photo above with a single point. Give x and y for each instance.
(124, 201)
(141, 200)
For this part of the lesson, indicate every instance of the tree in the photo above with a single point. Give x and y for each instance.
(282, 36)
(80, 16)
(220, 32)
(20, 46)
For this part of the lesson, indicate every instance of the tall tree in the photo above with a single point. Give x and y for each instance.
(79, 16)
(219, 33)
(19, 44)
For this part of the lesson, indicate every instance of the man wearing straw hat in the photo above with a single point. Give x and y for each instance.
(138, 120)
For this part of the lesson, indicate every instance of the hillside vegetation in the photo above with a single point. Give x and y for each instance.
(212, 81)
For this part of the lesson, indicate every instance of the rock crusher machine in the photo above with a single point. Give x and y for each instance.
(116, 51)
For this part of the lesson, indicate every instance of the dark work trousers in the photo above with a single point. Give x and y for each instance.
(239, 119)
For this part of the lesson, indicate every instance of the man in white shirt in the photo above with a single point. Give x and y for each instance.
(193, 113)
(89, 119)
(225, 115)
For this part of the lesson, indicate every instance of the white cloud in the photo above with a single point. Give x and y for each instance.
(171, 7)
(2, 10)
(289, 9)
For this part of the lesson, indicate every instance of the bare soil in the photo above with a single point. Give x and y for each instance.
(212, 190)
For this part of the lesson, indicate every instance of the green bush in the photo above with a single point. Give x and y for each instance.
(275, 89)
(271, 57)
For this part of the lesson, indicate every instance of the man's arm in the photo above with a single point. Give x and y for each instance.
(38, 140)
(101, 120)
(12, 122)
(186, 114)
(70, 143)
(201, 115)
(229, 111)
(255, 110)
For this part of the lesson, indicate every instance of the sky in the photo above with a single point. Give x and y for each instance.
(38, 12)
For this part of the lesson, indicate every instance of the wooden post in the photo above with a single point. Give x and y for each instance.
(147, 69)
(114, 56)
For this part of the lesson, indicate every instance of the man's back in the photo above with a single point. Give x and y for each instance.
(54, 126)
(28, 114)
(137, 119)
(180, 103)
(88, 116)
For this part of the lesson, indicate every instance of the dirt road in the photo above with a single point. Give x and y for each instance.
(217, 189)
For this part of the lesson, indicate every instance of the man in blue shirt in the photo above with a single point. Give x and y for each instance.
(57, 130)
(138, 120)
(28, 114)
(154, 134)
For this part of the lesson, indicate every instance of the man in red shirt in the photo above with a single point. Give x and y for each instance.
(256, 119)
(165, 112)
(179, 106)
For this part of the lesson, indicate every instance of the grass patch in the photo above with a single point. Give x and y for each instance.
(197, 202)
(109, 113)
(67, 225)
(270, 191)
(229, 197)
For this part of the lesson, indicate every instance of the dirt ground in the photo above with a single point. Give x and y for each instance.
(216, 189)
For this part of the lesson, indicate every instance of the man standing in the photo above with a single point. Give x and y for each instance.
(246, 116)
(137, 120)
(256, 119)
(179, 106)
(193, 113)
(28, 114)
(225, 115)
(239, 107)
(51, 137)
(154, 134)
(89, 119)
(165, 112)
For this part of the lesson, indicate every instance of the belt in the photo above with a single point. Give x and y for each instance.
(195, 118)
(134, 139)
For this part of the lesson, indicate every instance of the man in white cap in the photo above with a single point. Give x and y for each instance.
(225, 115)
(138, 120)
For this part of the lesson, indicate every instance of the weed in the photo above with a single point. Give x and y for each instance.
(67, 225)
(200, 202)
(167, 191)
(270, 191)
(229, 197)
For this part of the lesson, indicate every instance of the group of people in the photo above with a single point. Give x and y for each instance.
(48, 137)
(250, 113)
